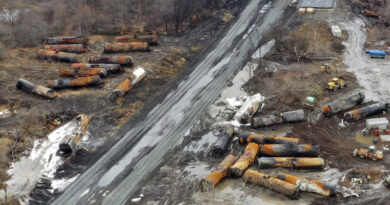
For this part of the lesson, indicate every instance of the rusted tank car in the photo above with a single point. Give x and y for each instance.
(128, 84)
(69, 48)
(285, 117)
(110, 68)
(309, 185)
(221, 172)
(363, 112)
(76, 72)
(291, 162)
(342, 104)
(273, 183)
(72, 142)
(37, 89)
(151, 39)
(289, 150)
(223, 141)
(67, 40)
(263, 139)
(58, 56)
(245, 160)
(126, 47)
(121, 60)
(76, 82)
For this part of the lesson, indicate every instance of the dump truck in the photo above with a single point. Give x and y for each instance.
(370, 153)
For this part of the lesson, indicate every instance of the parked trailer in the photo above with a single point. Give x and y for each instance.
(67, 40)
(121, 60)
(37, 89)
(126, 47)
(376, 53)
(58, 56)
(342, 104)
(69, 48)
(360, 113)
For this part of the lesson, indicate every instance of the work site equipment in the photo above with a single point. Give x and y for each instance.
(245, 160)
(309, 185)
(223, 141)
(71, 143)
(128, 84)
(151, 39)
(376, 53)
(126, 47)
(289, 150)
(342, 104)
(273, 183)
(291, 162)
(376, 126)
(327, 68)
(285, 117)
(263, 139)
(122, 60)
(370, 153)
(221, 172)
(110, 68)
(37, 89)
(75, 72)
(249, 108)
(360, 113)
(58, 56)
(67, 40)
(335, 84)
(69, 48)
(76, 82)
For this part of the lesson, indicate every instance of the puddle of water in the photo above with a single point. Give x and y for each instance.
(198, 169)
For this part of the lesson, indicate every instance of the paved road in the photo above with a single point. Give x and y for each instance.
(119, 172)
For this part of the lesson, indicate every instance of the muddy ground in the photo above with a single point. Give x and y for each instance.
(286, 83)
(32, 117)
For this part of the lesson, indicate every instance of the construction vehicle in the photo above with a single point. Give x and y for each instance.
(370, 153)
(335, 83)
(327, 68)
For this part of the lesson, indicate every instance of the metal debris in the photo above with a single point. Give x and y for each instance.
(309, 185)
(58, 56)
(67, 40)
(128, 84)
(289, 150)
(363, 112)
(221, 172)
(342, 104)
(122, 60)
(263, 139)
(69, 48)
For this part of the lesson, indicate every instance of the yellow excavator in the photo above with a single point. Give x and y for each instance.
(335, 84)
(327, 68)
